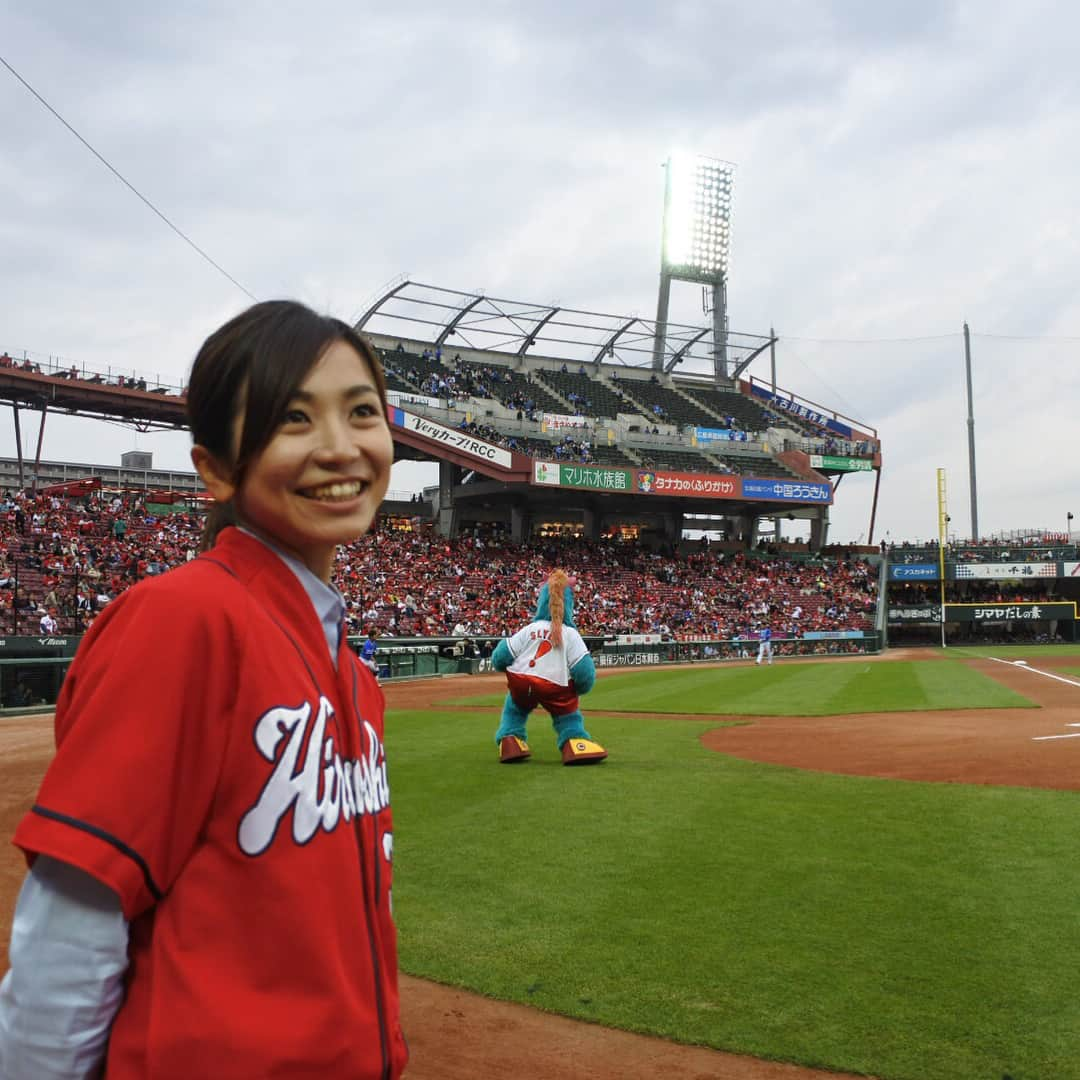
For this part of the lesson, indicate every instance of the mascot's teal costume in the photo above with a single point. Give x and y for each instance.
(547, 663)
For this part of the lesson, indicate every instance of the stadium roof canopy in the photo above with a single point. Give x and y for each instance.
(410, 310)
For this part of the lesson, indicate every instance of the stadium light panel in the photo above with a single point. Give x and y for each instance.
(698, 217)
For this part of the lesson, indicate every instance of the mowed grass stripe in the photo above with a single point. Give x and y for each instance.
(796, 689)
(902, 930)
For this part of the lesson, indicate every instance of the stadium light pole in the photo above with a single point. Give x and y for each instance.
(971, 439)
(695, 244)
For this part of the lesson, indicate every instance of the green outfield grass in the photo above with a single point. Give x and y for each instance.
(794, 688)
(906, 930)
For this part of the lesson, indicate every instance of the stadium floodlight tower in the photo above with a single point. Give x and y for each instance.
(695, 244)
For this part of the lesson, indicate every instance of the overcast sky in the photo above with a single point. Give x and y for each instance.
(901, 167)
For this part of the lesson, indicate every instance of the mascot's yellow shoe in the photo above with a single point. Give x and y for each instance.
(582, 752)
(512, 750)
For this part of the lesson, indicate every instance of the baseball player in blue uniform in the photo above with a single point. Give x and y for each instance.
(764, 649)
(368, 651)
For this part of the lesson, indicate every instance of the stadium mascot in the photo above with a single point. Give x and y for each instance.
(547, 664)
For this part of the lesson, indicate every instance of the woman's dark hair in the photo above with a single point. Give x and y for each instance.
(255, 363)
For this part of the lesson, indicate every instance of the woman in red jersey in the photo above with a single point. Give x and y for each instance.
(210, 851)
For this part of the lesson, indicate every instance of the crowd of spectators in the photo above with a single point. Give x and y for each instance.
(73, 373)
(464, 381)
(65, 560)
(1048, 547)
(570, 449)
(907, 599)
(7, 361)
(469, 380)
(488, 434)
(847, 447)
(453, 386)
(478, 380)
(862, 448)
(62, 561)
(416, 583)
(582, 406)
(1031, 591)
(523, 402)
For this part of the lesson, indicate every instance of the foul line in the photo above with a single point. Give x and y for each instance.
(1034, 671)
(1045, 675)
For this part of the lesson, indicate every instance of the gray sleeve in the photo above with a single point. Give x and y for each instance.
(69, 952)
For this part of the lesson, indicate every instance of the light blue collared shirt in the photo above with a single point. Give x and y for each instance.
(328, 602)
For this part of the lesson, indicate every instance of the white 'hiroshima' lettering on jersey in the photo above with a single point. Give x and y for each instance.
(348, 788)
(534, 654)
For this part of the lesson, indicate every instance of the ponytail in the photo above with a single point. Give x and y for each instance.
(557, 583)
(219, 516)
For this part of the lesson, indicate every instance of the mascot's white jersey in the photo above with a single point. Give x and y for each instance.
(535, 656)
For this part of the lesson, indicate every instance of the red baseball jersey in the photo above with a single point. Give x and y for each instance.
(215, 770)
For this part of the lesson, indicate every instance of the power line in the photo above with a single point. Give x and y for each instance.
(853, 411)
(1024, 337)
(179, 232)
(928, 337)
(870, 341)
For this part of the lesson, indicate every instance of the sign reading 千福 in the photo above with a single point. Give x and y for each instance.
(1004, 571)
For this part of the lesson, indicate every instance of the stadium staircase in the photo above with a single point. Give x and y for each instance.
(736, 410)
(593, 398)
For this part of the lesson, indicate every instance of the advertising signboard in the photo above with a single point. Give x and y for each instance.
(914, 572)
(786, 490)
(461, 441)
(835, 463)
(594, 477)
(1003, 613)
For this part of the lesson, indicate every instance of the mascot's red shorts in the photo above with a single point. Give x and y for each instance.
(527, 691)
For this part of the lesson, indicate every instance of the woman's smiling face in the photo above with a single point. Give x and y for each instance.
(320, 480)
